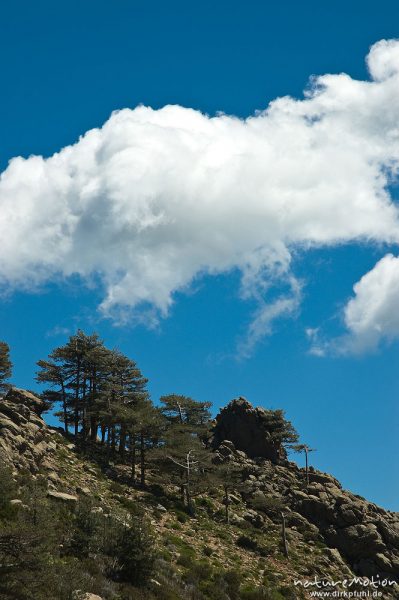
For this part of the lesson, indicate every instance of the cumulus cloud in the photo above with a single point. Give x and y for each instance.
(155, 198)
(371, 316)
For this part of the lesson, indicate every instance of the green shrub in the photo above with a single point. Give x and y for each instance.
(206, 502)
(181, 516)
(186, 556)
(157, 490)
(267, 504)
(248, 543)
(132, 550)
(131, 506)
(252, 544)
(116, 488)
(8, 492)
(249, 592)
(185, 561)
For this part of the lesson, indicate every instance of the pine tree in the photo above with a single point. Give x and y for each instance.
(122, 395)
(306, 449)
(150, 427)
(185, 410)
(5, 366)
(57, 376)
(75, 373)
(132, 550)
(282, 432)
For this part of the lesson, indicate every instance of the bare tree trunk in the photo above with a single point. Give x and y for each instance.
(113, 440)
(93, 418)
(182, 490)
(132, 444)
(187, 466)
(226, 500)
(284, 537)
(180, 412)
(77, 399)
(122, 442)
(84, 412)
(190, 506)
(93, 429)
(142, 459)
(108, 437)
(188, 496)
(64, 406)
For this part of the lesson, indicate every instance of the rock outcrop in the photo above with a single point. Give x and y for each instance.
(62, 497)
(25, 440)
(25, 402)
(33, 448)
(248, 429)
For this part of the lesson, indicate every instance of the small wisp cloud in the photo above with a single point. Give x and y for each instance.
(154, 199)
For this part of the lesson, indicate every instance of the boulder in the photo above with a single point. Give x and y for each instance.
(253, 517)
(226, 448)
(78, 595)
(356, 541)
(336, 558)
(23, 399)
(383, 562)
(316, 511)
(16, 502)
(236, 520)
(85, 491)
(390, 533)
(324, 478)
(9, 425)
(62, 497)
(349, 514)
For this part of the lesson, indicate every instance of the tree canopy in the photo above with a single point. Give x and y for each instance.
(101, 397)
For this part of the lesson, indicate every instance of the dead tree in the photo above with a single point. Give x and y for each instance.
(306, 449)
(188, 467)
(283, 535)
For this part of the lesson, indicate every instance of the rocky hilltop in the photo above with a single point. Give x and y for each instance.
(331, 533)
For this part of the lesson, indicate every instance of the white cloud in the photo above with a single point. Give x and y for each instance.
(284, 305)
(317, 346)
(58, 331)
(155, 198)
(372, 315)
(383, 60)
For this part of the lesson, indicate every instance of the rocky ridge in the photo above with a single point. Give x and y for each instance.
(365, 535)
(362, 535)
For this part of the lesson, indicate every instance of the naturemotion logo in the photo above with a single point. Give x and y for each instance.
(356, 587)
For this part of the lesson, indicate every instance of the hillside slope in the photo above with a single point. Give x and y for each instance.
(332, 534)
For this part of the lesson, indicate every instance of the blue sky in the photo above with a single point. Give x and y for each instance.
(67, 66)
